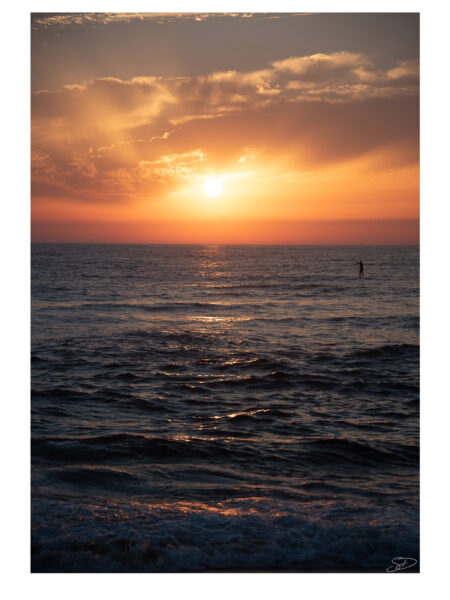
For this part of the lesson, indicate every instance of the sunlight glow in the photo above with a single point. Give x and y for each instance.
(212, 187)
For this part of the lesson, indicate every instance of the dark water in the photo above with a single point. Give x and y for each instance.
(204, 408)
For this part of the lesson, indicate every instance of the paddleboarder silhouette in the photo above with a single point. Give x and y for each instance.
(361, 268)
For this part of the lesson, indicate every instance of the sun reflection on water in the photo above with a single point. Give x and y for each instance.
(243, 413)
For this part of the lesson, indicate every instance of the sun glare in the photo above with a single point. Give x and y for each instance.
(212, 187)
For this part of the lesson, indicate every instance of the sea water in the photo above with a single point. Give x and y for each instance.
(224, 408)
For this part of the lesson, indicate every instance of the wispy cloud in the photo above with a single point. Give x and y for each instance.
(93, 19)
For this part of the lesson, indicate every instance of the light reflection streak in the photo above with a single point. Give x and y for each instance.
(202, 377)
(254, 505)
(241, 414)
(208, 319)
(186, 507)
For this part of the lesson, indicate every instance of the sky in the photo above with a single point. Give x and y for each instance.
(309, 123)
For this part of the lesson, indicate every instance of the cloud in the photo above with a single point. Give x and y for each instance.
(408, 69)
(405, 69)
(319, 66)
(74, 20)
(308, 133)
(113, 138)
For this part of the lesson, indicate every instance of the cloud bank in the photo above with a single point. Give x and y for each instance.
(112, 140)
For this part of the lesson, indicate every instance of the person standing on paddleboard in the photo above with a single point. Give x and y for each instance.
(361, 268)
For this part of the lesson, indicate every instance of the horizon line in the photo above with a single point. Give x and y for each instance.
(206, 244)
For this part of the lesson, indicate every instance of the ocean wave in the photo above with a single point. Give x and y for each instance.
(274, 380)
(157, 307)
(339, 450)
(211, 445)
(387, 351)
(130, 446)
(96, 477)
(240, 536)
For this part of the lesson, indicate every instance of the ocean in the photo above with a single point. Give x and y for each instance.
(224, 408)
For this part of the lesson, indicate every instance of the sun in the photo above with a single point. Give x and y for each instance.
(212, 187)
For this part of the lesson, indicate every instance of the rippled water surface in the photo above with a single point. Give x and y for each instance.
(236, 408)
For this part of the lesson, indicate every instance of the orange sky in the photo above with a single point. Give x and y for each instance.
(312, 147)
